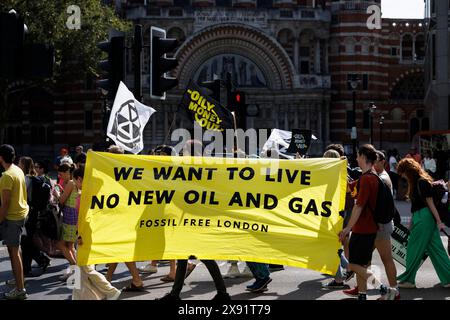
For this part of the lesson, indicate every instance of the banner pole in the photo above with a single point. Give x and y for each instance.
(170, 128)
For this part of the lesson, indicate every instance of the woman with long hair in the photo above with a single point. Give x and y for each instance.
(425, 227)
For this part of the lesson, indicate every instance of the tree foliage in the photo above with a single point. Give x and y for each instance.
(76, 50)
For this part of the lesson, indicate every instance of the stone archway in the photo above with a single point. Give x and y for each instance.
(264, 51)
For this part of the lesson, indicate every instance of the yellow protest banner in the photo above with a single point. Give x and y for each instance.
(137, 208)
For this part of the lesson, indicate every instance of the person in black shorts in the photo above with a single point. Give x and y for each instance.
(362, 223)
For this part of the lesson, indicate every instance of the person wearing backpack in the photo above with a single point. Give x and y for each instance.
(38, 194)
(362, 222)
(425, 228)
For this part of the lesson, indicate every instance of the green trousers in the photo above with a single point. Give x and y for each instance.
(425, 239)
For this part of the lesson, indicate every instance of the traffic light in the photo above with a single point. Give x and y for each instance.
(159, 64)
(113, 67)
(239, 106)
(238, 102)
(214, 87)
(12, 31)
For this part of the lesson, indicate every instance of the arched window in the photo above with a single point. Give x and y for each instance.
(407, 47)
(397, 114)
(350, 45)
(306, 52)
(365, 44)
(286, 39)
(409, 88)
(420, 47)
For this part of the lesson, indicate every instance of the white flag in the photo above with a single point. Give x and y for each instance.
(280, 140)
(127, 120)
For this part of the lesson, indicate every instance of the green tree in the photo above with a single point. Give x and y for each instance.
(76, 52)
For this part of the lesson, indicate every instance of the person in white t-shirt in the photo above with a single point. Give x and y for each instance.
(429, 164)
(393, 163)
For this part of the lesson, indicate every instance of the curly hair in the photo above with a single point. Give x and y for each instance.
(413, 172)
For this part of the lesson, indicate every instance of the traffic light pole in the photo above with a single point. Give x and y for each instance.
(229, 86)
(137, 50)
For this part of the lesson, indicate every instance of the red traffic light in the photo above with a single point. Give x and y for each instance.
(239, 98)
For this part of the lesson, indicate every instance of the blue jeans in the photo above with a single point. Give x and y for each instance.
(259, 270)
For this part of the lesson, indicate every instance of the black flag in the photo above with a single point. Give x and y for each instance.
(197, 106)
(300, 141)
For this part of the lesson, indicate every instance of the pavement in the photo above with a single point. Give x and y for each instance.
(288, 284)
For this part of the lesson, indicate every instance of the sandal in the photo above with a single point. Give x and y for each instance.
(189, 270)
(133, 288)
(167, 279)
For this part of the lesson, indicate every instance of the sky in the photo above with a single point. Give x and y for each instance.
(413, 9)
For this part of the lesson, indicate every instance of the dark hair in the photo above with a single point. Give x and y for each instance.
(369, 152)
(381, 155)
(168, 150)
(65, 167)
(336, 147)
(7, 153)
(43, 165)
(79, 173)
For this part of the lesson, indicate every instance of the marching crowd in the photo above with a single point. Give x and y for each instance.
(38, 220)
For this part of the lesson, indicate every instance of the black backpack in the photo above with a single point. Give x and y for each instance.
(40, 193)
(385, 209)
(49, 222)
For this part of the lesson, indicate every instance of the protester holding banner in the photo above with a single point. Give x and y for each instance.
(93, 284)
(343, 274)
(136, 284)
(362, 222)
(194, 147)
(164, 150)
(426, 225)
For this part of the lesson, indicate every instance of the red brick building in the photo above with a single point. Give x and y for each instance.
(293, 58)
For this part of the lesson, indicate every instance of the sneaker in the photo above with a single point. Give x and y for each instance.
(351, 292)
(169, 297)
(221, 296)
(406, 285)
(336, 285)
(259, 285)
(233, 272)
(362, 297)
(148, 268)
(391, 294)
(349, 275)
(16, 294)
(66, 275)
(115, 296)
(275, 267)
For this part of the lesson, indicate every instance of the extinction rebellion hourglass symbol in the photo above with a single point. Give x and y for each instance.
(127, 126)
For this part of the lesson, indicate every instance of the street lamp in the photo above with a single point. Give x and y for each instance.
(372, 109)
(354, 133)
(381, 131)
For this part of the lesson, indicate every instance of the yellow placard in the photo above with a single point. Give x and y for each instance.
(137, 208)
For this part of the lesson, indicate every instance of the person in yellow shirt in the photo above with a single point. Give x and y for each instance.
(13, 211)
